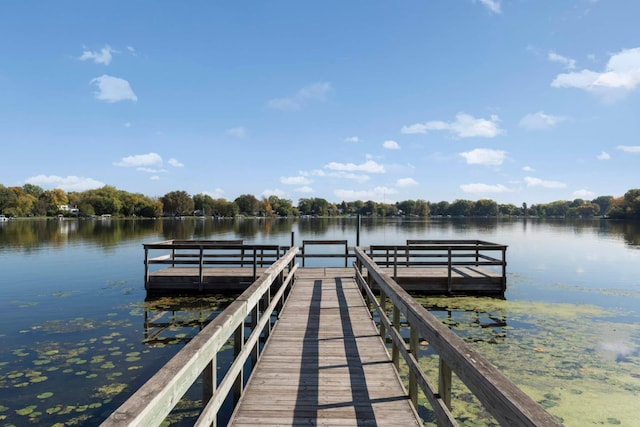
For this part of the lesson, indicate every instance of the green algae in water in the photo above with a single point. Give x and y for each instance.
(110, 390)
(579, 365)
(45, 395)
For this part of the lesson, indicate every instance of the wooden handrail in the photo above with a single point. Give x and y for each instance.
(343, 243)
(150, 404)
(501, 397)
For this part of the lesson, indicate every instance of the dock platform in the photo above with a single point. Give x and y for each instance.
(325, 363)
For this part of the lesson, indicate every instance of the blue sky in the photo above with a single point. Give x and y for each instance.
(514, 100)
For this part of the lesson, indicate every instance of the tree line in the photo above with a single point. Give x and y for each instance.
(32, 200)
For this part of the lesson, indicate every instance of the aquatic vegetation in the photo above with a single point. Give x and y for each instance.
(578, 366)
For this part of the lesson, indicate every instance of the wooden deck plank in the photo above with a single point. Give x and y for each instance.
(325, 364)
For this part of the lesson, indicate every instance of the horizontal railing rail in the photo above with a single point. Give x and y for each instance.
(151, 404)
(501, 397)
(305, 253)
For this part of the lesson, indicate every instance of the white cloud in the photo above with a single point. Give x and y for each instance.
(67, 183)
(603, 156)
(465, 126)
(528, 169)
(151, 170)
(154, 178)
(376, 194)
(479, 188)
(175, 163)
(584, 194)
(275, 192)
(391, 145)
(113, 89)
(621, 75)
(369, 166)
(629, 148)
(132, 50)
(537, 182)
(218, 193)
(352, 139)
(313, 92)
(492, 5)
(567, 62)
(540, 121)
(102, 57)
(304, 189)
(484, 156)
(238, 132)
(295, 180)
(140, 160)
(348, 175)
(406, 182)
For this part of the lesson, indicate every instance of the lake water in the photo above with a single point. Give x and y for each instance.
(73, 343)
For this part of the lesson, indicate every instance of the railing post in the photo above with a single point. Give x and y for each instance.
(255, 260)
(504, 269)
(201, 272)
(383, 312)
(395, 263)
(395, 351)
(209, 380)
(444, 382)
(173, 256)
(255, 351)
(414, 350)
(449, 269)
(346, 254)
(238, 344)
(477, 254)
(146, 268)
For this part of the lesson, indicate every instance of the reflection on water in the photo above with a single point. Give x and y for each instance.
(176, 320)
(32, 234)
(78, 336)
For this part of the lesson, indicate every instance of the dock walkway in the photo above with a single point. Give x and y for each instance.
(325, 363)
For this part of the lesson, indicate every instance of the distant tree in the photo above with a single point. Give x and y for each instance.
(485, 207)
(33, 190)
(604, 202)
(587, 210)
(247, 204)
(313, 206)
(422, 208)
(14, 201)
(177, 203)
(440, 208)
(407, 207)
(461, 207)
(52, 200)
(281, 207)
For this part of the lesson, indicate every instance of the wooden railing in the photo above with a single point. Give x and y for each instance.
(442, 253)
(203, 253)
(305, 253)
(501, 397)
(151, 404)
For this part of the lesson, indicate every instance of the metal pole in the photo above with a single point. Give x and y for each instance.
(358, 231)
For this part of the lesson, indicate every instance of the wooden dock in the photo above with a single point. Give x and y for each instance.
(325, 363)
(441, 267)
